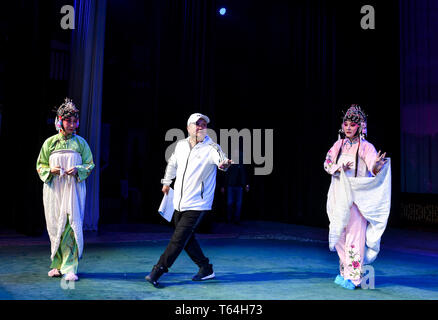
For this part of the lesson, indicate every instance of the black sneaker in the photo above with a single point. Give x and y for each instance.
(155, 274)
(205, 273)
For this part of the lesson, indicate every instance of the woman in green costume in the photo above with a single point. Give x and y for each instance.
(64, 162)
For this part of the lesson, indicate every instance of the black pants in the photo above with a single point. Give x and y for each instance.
(183, 237)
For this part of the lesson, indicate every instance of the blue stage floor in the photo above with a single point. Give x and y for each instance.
(282, 262)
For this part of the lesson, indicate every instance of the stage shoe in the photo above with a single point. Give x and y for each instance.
(339, 279)
(154, 275)
(204, 273)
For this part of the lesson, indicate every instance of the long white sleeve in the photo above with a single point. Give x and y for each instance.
(218, 155)
(170, 172)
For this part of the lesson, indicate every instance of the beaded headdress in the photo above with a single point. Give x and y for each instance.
(357, 115)
(65, 111)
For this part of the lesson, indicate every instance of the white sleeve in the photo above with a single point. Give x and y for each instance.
(217, 155)
(170, 172)
(329, 163)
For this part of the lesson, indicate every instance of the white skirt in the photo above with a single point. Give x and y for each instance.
(64, 198)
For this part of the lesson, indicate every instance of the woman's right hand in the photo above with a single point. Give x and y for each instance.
(55, 170)
(347, 166)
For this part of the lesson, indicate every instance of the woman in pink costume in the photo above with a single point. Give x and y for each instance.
(354, 165)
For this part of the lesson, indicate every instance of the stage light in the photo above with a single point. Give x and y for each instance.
(222, 11)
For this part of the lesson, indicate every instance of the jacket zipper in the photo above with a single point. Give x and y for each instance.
(182, 182)
(202, 190)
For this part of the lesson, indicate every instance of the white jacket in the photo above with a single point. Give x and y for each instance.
(195, 172)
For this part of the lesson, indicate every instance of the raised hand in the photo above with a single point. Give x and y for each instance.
(380, 161)
(347, 166)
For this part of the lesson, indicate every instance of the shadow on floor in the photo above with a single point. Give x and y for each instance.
(113, 275)
(419, 282)
(167, 279)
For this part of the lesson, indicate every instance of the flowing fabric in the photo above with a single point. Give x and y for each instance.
(372, 196)
(64, 198)
(66, 258)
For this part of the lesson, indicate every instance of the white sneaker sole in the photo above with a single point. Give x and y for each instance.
(211, 276)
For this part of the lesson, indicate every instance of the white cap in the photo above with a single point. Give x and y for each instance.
(196, 116)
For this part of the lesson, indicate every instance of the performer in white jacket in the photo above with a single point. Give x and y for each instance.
(193, 164)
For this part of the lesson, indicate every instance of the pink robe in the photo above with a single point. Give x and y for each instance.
(351, 245)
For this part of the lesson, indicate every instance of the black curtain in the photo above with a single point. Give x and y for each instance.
(419, 96)
(27, 66)
(287, 66)
(159, 68)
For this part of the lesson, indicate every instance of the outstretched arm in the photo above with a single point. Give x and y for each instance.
(219, 158)
(373, 159)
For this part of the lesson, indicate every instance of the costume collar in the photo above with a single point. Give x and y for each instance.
(65, 136)
(352, 141)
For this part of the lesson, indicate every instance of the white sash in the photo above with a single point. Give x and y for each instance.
(372, 196)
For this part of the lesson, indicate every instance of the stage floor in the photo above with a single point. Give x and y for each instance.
(255, 261)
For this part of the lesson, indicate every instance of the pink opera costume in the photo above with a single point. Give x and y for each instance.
(64, 190)
(358, 201)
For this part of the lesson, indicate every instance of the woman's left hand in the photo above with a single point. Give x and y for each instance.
(72, 171)
(380, 161)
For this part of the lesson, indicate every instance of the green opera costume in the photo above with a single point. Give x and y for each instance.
(64, 197)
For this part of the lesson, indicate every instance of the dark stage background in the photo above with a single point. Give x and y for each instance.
(290, 66)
